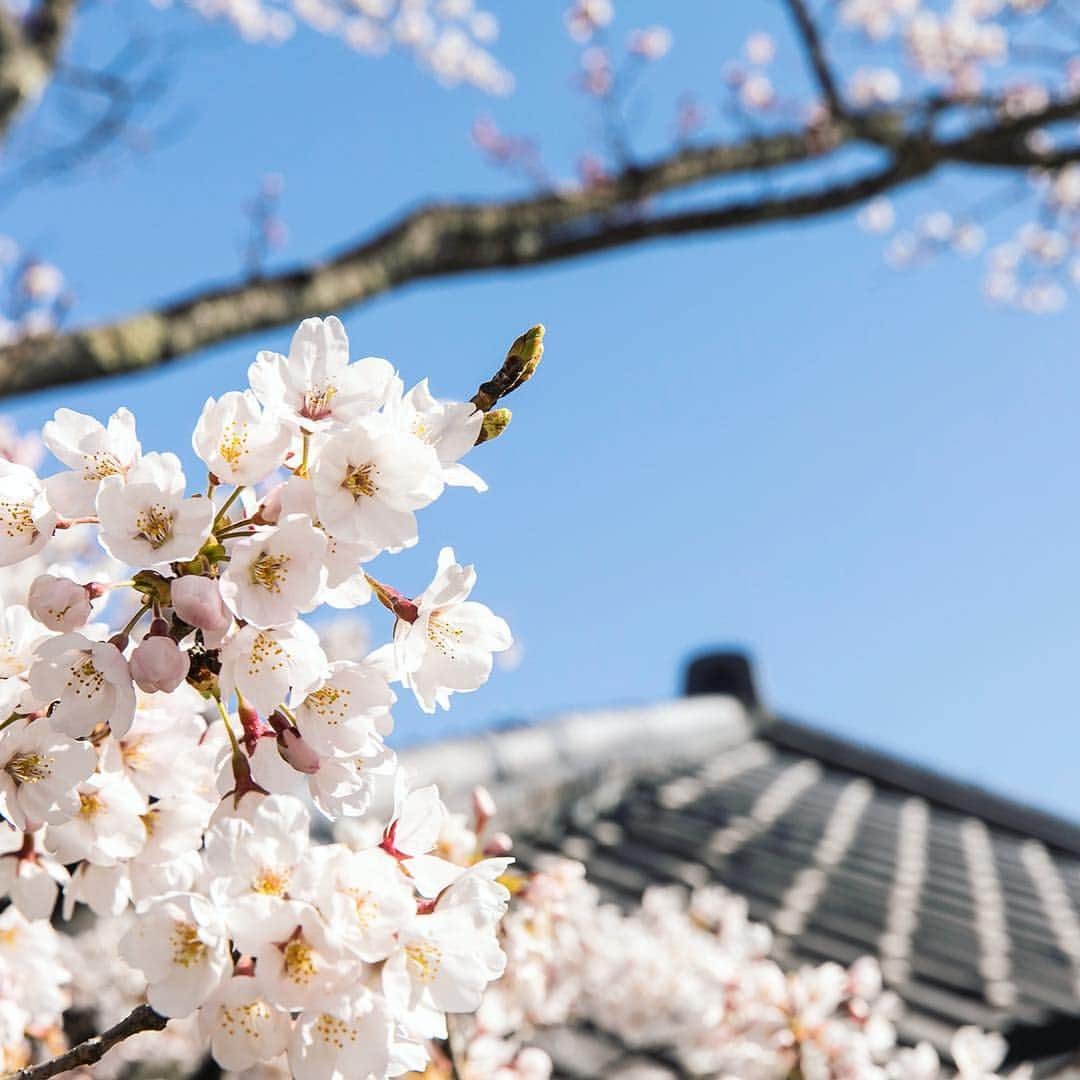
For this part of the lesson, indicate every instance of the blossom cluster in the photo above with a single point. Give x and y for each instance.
(949, 65)
(171, 721)
(690, 975)
(449, 38)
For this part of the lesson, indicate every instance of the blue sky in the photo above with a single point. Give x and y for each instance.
(867, 478)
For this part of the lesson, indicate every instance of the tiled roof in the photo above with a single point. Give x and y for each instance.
(971, 901)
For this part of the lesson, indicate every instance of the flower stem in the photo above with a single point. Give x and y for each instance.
(136, 617)
(228, 727)
(226, 505)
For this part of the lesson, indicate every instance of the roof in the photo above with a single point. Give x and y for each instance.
(971, 900)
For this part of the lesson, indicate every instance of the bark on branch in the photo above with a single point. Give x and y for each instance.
(141, 1018)
(29, 51)
(442, 240)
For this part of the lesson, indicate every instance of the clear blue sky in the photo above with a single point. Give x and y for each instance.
(868, 479)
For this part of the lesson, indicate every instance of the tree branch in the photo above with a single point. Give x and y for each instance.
(815, 53)
(447, 239)
(141, 1018)
(29, 51)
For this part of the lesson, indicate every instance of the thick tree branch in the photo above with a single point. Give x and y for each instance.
(442, 240)
(29, 51)
(141, 1018)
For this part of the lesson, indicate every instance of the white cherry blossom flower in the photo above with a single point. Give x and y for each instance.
(252, 862)
(26, 518)
(108, 826)
(448, 648)
(443, 963)
(242, 1027)
(977, 1053)
(39, 772)
(179, 943)
(91, 451)
(105, 890)
(265, 665)
(451, 428)
(148, 751)
(20, 634)
(344, 585)
(29, 875)
(299, 963)
(88, 681)
(145, 519)
(364, 895)
(347, 710)
(348, 1036)
(370, 479)
(239, 443)
(315, 386)
(276, 573)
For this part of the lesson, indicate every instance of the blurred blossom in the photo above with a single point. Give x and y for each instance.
(41, 280)
(877, 216)
(760, 49)
(756, 91)
(874, 86)
(652, 43)
(585, 17)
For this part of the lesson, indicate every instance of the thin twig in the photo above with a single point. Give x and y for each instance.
(815, 53)
(141, 1018)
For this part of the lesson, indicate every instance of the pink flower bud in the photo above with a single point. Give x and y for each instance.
(158, 663)
(270, 507)
(483, 806)
(197, 600)
(499, 844)
(58, 603)
(296, 752)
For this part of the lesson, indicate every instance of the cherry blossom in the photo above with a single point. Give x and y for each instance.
(26, 518)
(179, 944)
(91, 451)
(315, 386)
(275, 574)
(39, 772)
(87, 683)
(448, 646)
(237, 442)
(145, 519)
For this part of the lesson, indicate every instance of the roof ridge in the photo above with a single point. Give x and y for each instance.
(913, 777)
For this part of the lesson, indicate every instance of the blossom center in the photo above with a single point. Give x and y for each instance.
(270, 571)
(16, 518)
(101, 463)
(90, 805)
(29, 768)
(425, 957)
(271, 882)
(187, 948)
(233, 445)
(443, 637)
(245, 1017)
(85, 678)
(358, 480)
(299, 961)
(154, 525)
(367, 907)
(334, 1031)
(317, 402)
(324, 702)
